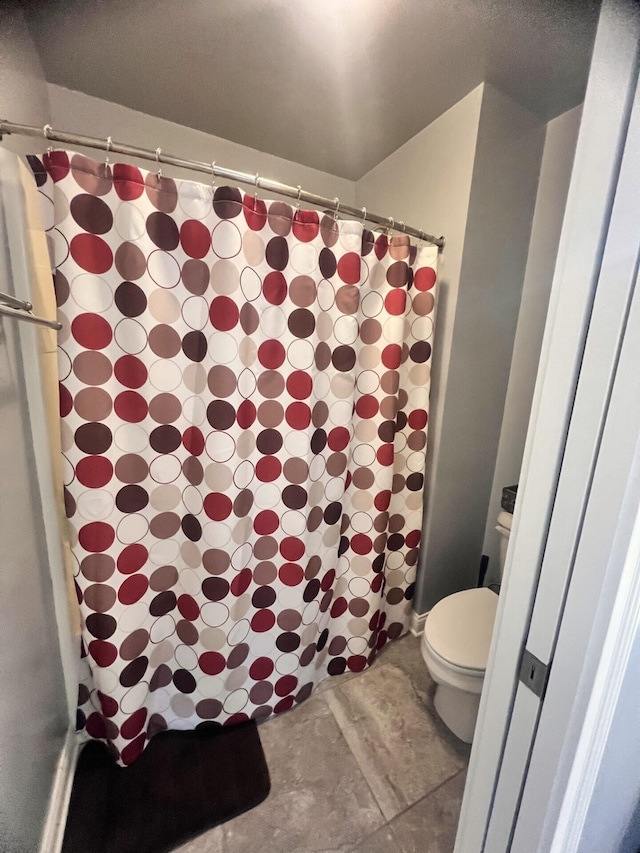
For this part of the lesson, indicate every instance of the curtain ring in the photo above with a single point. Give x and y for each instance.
(213, 175)
(337, 208)
(422, 237)
(401, 225)
(158, 153)
(391, 226)
(106, 159)
(364, 215)
(45, 132)
(298, 200)
(257, 183)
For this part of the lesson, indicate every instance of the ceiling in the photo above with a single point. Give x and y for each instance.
(333, 84)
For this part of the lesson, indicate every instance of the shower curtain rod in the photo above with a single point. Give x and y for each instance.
(212, 169)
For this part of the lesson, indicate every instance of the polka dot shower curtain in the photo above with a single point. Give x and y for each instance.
(243, 396)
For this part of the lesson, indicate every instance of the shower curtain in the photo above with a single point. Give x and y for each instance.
(243, 400)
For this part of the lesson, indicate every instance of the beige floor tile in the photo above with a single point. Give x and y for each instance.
(430, 825)
(382, 841)
(319, 799)
(393, 736)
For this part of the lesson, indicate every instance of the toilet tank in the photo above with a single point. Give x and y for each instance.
(503, 527)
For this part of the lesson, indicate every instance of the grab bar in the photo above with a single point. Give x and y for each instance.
(17, 314)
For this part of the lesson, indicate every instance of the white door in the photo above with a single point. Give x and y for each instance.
(522, 751)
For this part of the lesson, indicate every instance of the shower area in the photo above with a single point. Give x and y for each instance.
(268, 431)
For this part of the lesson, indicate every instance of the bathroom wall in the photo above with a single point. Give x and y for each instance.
(80, 113)
(33, 711)
(555, 173)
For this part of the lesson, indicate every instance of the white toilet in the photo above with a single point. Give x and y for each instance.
(455, 647)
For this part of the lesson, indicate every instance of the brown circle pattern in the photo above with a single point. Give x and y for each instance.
(244, 405)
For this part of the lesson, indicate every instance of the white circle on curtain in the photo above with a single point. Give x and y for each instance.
(58, 247)
(422, 328)
(92, 293)
(345, 329)
(290, 597)
(192, 500)
(162, 653)
(214, 613)
(310, 631)
(165, 468)
(368, 382)
(223, 347)
(239, 632)
(133, 616)
(331, 536)
(394, 561)
(303, 258)
(186, 658)
(134, 698)
(64, 364)
(410, 575)
(129, 222)
(287, 663)
(417, 399)
(195, 312)
(364, 455)
(415, 462)
(220, 446)
(297, 443)
(107, 680)
(165, 375)
(246, 383)
(210, 686)
(301, 354)
(164, 498)
(241, 556)
(95, 504)
(161, 705)
(343, 566)
(273, 322)
(194, 199)
(162, 628)
(342, 385)
(378, 277)
(357, 645)
(317, 468)
(235, 701)
(47, 210)
(324, 326)
(226, 240)
(194, 410)
(314, 542)
(351, 235)
(242, 530)
(213, 639)
(361, 522)
(293, 522)
(130, 336)
(372, 304)
(340, 412)
(183, 707)
(393, 330)
(399, 442)
(243, 474)
(250, 284)
(321, 385)
(164, 552)
(310, 613)
(132, 528)
(236, 678)
(267, 496)
(164, 306)
(68, 472)
(326, 295)
(190, 580)
(216, 534)
(163, 269)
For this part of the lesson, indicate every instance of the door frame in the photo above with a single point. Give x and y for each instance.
(495, 776)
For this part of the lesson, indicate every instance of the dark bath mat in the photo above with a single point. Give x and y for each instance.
(183, 784)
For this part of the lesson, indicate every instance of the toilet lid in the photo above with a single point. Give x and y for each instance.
(459, 627)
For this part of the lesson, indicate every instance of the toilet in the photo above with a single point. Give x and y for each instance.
(455, 647)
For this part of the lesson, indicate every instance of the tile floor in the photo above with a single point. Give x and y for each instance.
(363, 766)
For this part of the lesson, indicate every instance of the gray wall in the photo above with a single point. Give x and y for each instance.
(503, 195)
(33, 711)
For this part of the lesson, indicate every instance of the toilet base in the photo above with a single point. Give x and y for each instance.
(458, 710)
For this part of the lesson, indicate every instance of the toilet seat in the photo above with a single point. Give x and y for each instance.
(458, 630)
